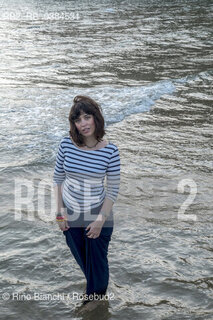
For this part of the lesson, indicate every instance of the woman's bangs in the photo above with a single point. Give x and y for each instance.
(79, 108)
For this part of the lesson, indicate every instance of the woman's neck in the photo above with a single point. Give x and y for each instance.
(90, 141)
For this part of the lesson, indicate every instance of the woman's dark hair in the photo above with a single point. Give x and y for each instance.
(89, 106)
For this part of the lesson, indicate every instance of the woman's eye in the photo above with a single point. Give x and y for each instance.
(86, 117)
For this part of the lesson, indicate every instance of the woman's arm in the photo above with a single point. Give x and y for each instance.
(63, 224)
(58, 178)
(96, 226)
(113, 184)
(105, 210)
(58, 198)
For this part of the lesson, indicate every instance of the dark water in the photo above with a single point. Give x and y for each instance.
(149, 64)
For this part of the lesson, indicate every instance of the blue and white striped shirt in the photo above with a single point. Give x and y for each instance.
(82, 173)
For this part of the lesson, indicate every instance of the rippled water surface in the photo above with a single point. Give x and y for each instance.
(149, 65)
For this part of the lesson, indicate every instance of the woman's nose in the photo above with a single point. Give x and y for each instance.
(83, 122)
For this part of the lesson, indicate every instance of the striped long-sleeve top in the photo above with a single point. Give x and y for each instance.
(82, 172)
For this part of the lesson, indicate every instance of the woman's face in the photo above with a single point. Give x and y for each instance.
(85, 124)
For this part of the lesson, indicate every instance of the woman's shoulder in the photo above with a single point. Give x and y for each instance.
(104, 143)
(109, 144)
(64, 141)
(113, 145)
(113, 148)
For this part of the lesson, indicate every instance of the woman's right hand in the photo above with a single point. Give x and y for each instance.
(63, 225)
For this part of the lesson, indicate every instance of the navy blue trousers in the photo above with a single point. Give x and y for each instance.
(91, 255)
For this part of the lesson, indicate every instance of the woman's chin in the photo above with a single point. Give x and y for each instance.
(86, 134)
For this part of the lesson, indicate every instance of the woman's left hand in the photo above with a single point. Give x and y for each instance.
(95, 229)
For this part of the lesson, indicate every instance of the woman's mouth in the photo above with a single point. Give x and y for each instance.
(85, 130)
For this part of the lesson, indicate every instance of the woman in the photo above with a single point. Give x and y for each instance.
(84, 206)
